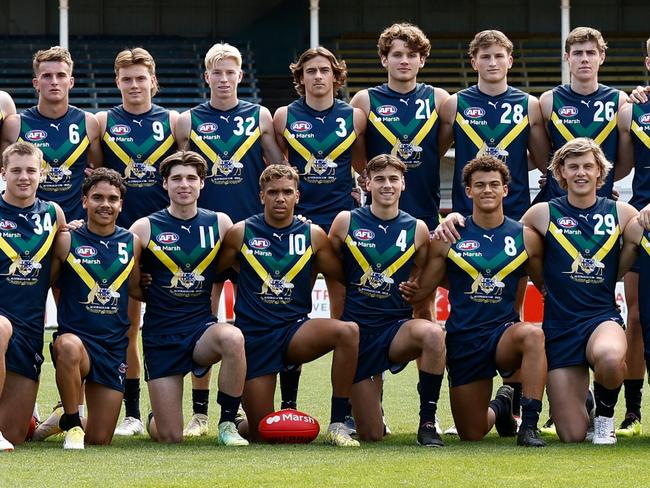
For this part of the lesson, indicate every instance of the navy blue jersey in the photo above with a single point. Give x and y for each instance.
(64, 142)
(180, 256)
(406, 125)
(483, 268)
(134, 146)
(640, 132)
(581, 252)
(574, 115)
(644, 283)
(275, 275)
(26, 236)
(320, 147)
(230, 142)
(493, 126)
(377, 256)
(94, 285)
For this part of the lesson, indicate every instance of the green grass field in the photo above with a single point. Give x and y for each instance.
(395, 462)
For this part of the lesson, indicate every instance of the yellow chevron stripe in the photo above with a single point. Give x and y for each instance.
(117, 150)
(81, 271)
(161, 150)
(248, 143)
(208, 259)
(46, 245)
(425, 129)
(76, 153)
(636, 130)
(600, 138)
(162, 257)
(558, 235)
(354, 250)
(383, 130)
(561, 128)
(469, 130)
(393, 268)
(8, 250)
(293, 142)
(117, 282)
(645, 245)
(609, 244)
(297, 267)
(462, 264)
(203, 146)
(511, 266)
(255, 264)
(513, 133)
(338, 150)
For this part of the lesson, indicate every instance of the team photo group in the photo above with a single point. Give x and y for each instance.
(143, 205)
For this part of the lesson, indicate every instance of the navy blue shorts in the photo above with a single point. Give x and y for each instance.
(171, 354)
(567, 346)
(266, 352)
(24, 355)
(473, 358)
(374, 346)
(107, 364)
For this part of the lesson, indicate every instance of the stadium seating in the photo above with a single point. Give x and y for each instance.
(179, 67)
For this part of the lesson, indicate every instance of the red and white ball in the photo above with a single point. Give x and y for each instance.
(288, 427)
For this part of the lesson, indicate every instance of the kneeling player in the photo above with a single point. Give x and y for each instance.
(97, 268)
(179, 333)
(382, 246)
(484, 331)
(278, 258)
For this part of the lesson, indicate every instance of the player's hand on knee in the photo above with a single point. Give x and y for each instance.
(408, 289)
(542, 181)
(446, 230)
(639, 94)
(644, 217)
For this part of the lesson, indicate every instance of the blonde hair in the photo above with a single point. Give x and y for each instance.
(578, 147)
(21, 148)
(55, 53)
(486, 38)
(585, 34)
(221, 51)
(137, 56)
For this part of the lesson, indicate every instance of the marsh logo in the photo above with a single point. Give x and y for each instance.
(273, 420)
(567, 222)
(468, 245)
(85, 251)
(120, 130)
(387, 110)
(259, 243)
(208, 128)
(567, 111)
(7, 225)
(644, 119)
(300, 126)
(36, 135)
(363, 235)
(167, 238)
(474, 112)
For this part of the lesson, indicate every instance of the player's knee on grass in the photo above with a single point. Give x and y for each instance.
(471, 433)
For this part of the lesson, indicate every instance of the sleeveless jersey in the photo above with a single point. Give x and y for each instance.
(275, 275)
(94, 285)
(406, 125)
(581, 252)
(483, 268)
(26, 237)
(575, 115)
(64, 142)
(180, 256)
(320, 147)
(640, 132)
(377, 256)
(495, 126)
(230, 142)
(134, 146)
(644, 279)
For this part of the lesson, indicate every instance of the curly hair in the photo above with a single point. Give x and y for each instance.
(485, 163)
(411, 34)
(108, 175)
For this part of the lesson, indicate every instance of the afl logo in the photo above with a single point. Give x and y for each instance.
(120, 130)
(468, 245)
(567, 222)
(567, 111)
(300, 126)
(85, 251)
(167, 238)
(474, 112)
(644, 119)
(7, 225)
(363, 235)
(259, 243)
(387, 110)
(36, 135)
(207, 128)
